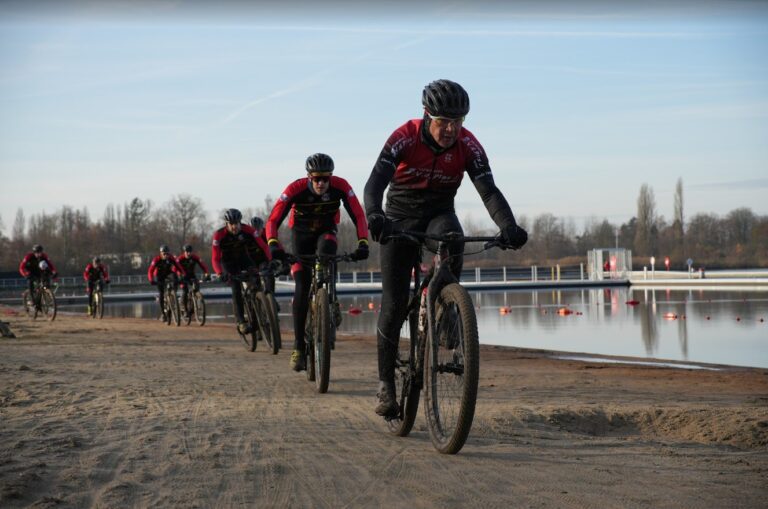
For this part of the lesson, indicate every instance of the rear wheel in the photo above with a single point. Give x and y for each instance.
(452, 368)
(408, 379)
(48, 304)
(322, 341)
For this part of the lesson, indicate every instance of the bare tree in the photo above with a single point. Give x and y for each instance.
(646, 221)
(186, 216)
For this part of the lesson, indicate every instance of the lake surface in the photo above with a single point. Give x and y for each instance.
(711, 326)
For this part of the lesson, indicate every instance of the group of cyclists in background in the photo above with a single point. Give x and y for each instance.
(421, 166)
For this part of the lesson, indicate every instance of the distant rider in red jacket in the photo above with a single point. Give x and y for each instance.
(36, 266)
(93, 273)
(164, 266)
(233, 247)
(189, 261)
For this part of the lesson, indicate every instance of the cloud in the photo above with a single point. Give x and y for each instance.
(734, 185)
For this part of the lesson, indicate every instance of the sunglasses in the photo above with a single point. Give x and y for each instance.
(320, 180)
(445, 121)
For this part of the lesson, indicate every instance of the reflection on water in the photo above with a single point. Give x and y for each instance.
(722, 326)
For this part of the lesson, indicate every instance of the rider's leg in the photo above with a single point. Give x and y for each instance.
(161, 295)
(446, 223)
(397, 260)
(89, 291)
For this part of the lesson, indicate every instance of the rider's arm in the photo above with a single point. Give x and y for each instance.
(382, 174)
(23, 265)
(104, 272)
(479, 172)
(216, 252)
(85, 272)
(177, 268)
(353, 207)
(200, 263)
(151, 270)
(282, 208)
(51, 267)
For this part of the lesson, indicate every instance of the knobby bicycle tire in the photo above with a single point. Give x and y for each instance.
(322, 341)
(269, 328)
(309, 340)
(407, 377)
(187, 307)
(198, 307)
(48, 304)
(29, 310)
(173, 304)
(451, 370)
(274, 317)
(251, 339)
(98, 303)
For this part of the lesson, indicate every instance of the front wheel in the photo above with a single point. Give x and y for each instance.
(322, 341)
(267, 322)
(408, 379)
(98, 305)
(274, 316)
(198, 306)
(29, 306)
(173, 304)
(48, 304)
(451, 370)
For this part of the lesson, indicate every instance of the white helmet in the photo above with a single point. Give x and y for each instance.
(43, 265)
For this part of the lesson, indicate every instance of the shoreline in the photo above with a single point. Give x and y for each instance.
(129, 412)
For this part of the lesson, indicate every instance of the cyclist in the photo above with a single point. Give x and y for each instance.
(188, 261)
(233, 246)
(257, 224)
(36, 266)
(423, 163)
(164, 266)
(313, 202)
(94, 271)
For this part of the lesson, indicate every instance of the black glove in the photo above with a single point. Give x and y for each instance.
(54, 275)
(361, 253)
(153, 282)
(276, 250)
(106, 281)
(224, 277)
(379, 226)
(206, 277)
(513, 236)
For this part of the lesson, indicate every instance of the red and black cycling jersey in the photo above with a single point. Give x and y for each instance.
(95, 272)
(161, 268)
(314, 213)
(30, 265)
(188, 263)
(423, 177)
(234, 250)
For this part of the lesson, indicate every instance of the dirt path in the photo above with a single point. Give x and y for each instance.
(132, 413)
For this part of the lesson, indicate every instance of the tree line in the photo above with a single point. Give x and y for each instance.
(128, 236)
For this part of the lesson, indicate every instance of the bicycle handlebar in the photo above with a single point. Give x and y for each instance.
(490, 241)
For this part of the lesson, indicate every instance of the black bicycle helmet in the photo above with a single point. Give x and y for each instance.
(164, 249)
(445, 98)
(257, 222)
(233, 216)
(187, 248)
(37, 248)
(319, 164)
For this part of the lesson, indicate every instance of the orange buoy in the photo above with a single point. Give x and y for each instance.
(670, 316)
(564, 312)
(370, 305)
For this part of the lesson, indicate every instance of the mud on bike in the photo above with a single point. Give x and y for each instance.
(441, 356)
(323, 316)
(257, 312)
(42, 301)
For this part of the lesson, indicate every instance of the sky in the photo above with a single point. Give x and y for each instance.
(577, 104)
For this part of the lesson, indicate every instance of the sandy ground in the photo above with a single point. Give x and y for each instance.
(132, 413)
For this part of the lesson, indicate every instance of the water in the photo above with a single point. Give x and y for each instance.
(711, 326)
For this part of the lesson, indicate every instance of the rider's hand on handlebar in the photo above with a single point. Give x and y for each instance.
(513, 236)
(379, 226)
(206, 277)
(277, 252)
(361, 253)
(224, 277)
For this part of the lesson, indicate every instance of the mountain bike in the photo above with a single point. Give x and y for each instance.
(194, 303)
(97, 300)
(42, 301)
(171, 301)
(256, 312)
(442, 358)
(323, 316)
